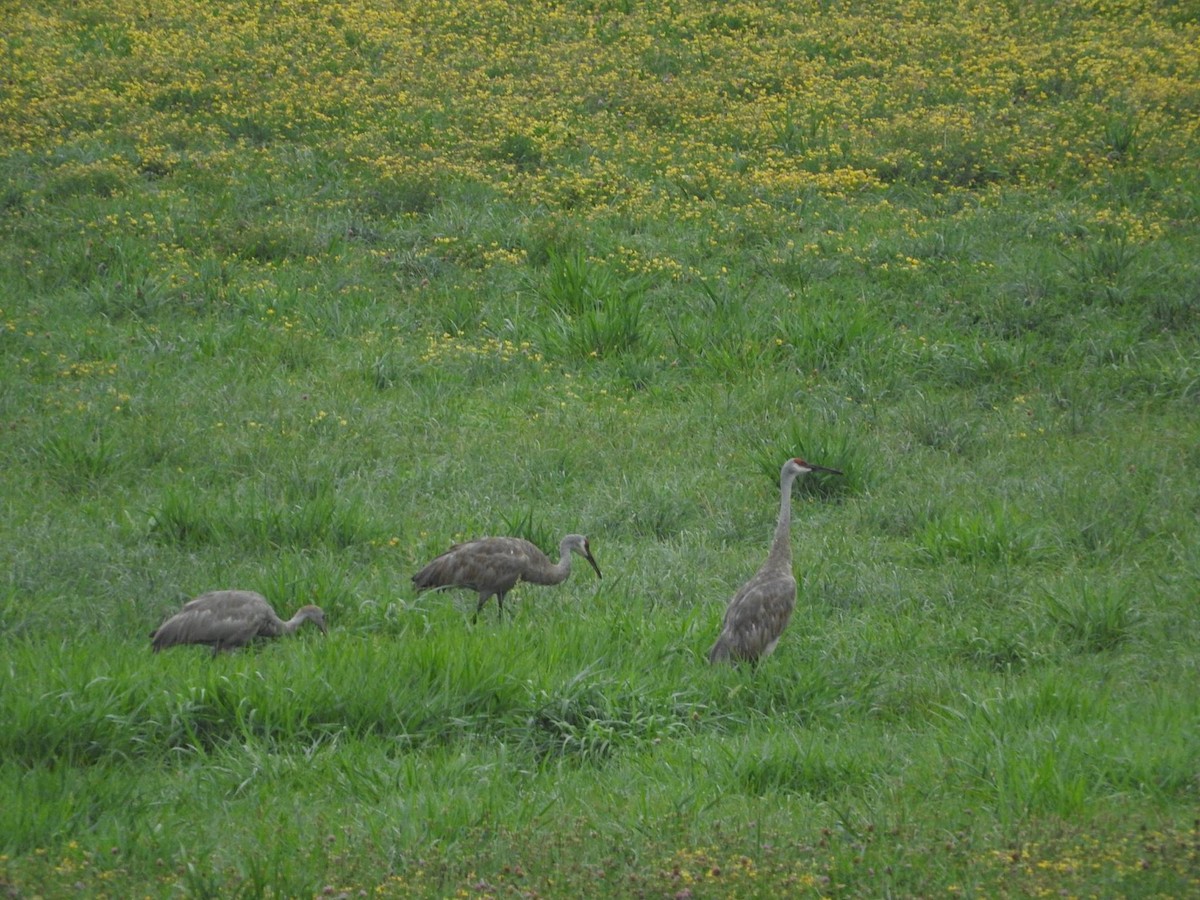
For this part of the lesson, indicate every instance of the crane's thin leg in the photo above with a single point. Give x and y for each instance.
(500, 606)
(483, 598)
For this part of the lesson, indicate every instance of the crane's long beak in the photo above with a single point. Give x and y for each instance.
(588, 556)
(817, 468)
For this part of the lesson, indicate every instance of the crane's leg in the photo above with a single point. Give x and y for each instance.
(500, 606)
(483, 598)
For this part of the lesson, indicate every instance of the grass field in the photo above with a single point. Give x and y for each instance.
(297, 294)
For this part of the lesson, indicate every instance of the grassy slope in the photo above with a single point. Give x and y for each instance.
(294, 320)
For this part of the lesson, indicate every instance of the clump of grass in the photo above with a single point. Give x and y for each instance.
(1101, 268)
(183, 517)
(1007, 751)
(1094, 620)
(650, 511)
(815, 338)
(800, 134)
(578, 724)
(322, 519)
(524, 524)
(1010, 646)
(807, 765)
(520, 151)
(943, 156)
(993, 534)
(1121, 141)
(592, 313)
(723, 329)
(254, 130)
(387, 370)
(944, 426)
(80, 458)
(117, 298)
(101, 178)
(395, 196)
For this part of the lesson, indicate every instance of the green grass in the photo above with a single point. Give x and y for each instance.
(296, 297)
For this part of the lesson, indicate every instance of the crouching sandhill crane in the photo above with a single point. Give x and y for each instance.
(761, 608)
(228, 619)
(493, 565)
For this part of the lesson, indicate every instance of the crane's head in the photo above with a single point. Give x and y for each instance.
(577, 543)
(799, 466)
(313, 614)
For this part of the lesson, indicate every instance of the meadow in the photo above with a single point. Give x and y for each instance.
(297, 294)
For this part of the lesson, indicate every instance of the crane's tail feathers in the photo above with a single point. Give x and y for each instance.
(719, 651)
(431, 588)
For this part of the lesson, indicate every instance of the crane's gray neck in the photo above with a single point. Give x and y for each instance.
(781, 545)
(563, 567)
(295, 622)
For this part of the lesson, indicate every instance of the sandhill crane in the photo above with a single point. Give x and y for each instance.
(228, 619)
(493, 565)
(761, 608)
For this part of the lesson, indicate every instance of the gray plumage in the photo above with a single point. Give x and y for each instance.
(762, 607)
(493, 565)
(225, 620)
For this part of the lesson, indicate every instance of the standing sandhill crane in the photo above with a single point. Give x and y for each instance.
(761, 608)
(493, 565)
(229, 619)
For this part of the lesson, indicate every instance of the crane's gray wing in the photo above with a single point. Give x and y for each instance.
(757, 616)
(206, 624)
(486, 564)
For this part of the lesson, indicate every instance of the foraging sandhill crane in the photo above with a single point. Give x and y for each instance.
(229, 619)
(493, 565)
(761, 608)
